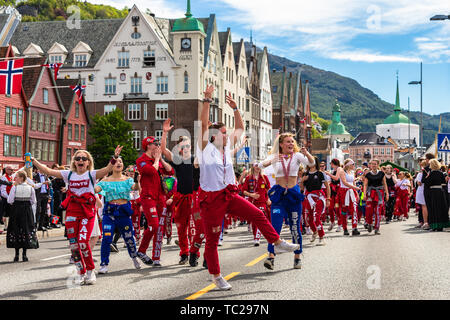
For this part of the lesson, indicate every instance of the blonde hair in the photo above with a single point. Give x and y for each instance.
(277, 143)
(435, 165)
(89, 156)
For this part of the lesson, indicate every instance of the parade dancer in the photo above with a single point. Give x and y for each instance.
(117, 212)
(218, 189)
(391, 180)
(186, 198)
(329, 211)
(315, 204)
(151, 167)
(334, 186)
(402, 187)
(80, 207)
(286, 158)
(375, 189)
(256, 186)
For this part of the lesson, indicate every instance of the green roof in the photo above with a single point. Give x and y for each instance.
(336, 126)
(396, 117)
(189, 23)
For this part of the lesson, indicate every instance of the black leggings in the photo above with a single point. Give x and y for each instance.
(24, 253)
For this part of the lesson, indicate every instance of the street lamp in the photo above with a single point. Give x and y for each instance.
(439, 17)
(421, 110)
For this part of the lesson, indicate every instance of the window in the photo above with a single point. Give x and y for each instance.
(83, 133)
(136, 85)
(69, 131)
(80, 60)
(134, 111)
(53, 124)
(124, 59)
(136, 139)
(47, 123)
(20, 120)
(34, 117)
(44, 150)
(149, 58)
(108, 108)
(40, 122)
(186, 82)
(12, 146)
(45, 96)
(162, 111)
(158, 134)
(8, 115)
(110, 85)
(68, 156)
(77, 110)
(6, 145)
(51, 151)
(162, 84)
(77, 132)
(55, 59)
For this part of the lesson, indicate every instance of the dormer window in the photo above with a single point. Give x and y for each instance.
(56, 58)
(80, 60)
(81, 54)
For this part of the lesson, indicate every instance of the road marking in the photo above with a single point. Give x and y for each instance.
(255, 261)
(210, 287)
(52, 258)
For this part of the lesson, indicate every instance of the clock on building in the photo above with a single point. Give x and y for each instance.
(186, 43)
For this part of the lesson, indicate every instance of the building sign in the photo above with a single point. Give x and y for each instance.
(76, 144)
(123, 77)
(135, 43)
(148, 76)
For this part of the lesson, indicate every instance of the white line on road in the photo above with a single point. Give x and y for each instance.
(52, 258)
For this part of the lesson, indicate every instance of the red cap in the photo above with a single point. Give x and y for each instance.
(396, 170)
(148, 141)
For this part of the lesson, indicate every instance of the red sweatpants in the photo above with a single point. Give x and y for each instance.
(263, 208)
(350, 210)
(136, 218)
(314, 215)
(373, 208)
(401, 203)
(152, 211)
(79, 229)
(213, 206)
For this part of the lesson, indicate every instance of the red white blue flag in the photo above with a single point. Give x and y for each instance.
(11, 72)
(78, 89)
(55, 67)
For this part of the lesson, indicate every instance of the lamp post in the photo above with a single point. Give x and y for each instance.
(409, 137)
(421, 109)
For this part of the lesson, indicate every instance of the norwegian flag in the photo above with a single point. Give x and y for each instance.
(303, 120)
(11, 72)
(55, 67)
(78, 89)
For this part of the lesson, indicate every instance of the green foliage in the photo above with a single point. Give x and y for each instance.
(49, 10)
(323, 122)
(315, 134)
(108, 132)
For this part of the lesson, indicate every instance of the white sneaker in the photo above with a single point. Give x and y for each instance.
(331, 226)
(314, 236)
(308, 231)
(221, 283)
(220, 243)
(80, 279)
(103, 269)
(286, 247)
(90, 277)
(321, 242)
(256, 243)
(136, 263)
(339, 229)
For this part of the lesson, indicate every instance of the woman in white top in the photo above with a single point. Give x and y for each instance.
(21, 231)
(218, 190)
(420, 199)
(286, 158)
(80, 206)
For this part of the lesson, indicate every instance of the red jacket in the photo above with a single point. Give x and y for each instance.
(150, 178)
(260, 186)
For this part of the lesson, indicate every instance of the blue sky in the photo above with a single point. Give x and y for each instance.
(368, 41)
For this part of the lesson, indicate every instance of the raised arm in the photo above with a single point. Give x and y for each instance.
(46, 170)
(104, 171)
(166, 152)
(204, 116)
(238, 122)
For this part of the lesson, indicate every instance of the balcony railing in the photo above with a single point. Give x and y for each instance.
(135, 96)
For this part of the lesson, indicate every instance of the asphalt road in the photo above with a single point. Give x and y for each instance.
(400, 263)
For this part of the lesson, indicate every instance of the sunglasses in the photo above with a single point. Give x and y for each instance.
(81, 158)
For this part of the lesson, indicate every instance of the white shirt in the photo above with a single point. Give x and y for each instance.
(23, 191)
(215, 173)
(403, 184)
(297, 159)
(79, 184)
(350, 178)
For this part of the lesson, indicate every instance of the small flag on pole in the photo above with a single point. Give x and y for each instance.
(11, 73)
(303, 120)
(55, 67)
(78, 89)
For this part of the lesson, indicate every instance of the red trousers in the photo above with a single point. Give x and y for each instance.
(351, 209)
(79, 228)
(213, 206)
(264, 209)
(187, 213)
(314, 212)
(169, 218)
(153, 210)
(374, 207)
(136, 218)
(401, 203)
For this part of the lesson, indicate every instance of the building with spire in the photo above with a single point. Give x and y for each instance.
(398, 126)
(336, 131)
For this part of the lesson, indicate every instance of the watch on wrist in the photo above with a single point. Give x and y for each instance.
(113, 161)
(208, 100)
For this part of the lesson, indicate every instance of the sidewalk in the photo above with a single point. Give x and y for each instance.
(55, 232)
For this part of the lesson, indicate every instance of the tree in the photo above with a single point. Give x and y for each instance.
(108, 132)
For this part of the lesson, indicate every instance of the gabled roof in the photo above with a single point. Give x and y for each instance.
(369, 138)
(31, 76)
(278, 80)
(96, 33)
(223, 40)
(237, 47)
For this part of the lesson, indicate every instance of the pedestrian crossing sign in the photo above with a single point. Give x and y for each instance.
(443, 142)
(243, 155)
